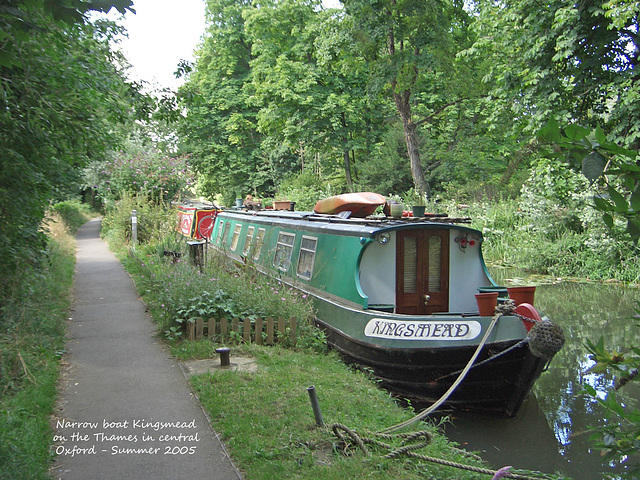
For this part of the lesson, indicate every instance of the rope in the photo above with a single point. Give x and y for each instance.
(413, 441)
(428, 411)
(487, 360)
(410, 443)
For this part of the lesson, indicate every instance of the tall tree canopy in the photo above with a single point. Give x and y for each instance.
(577, 62)
(411, 46)
(61, 97)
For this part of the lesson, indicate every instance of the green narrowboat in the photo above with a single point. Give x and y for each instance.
(396, 296)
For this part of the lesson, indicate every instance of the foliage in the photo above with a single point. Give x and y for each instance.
(61, 95)
(537, 235)
(73, 213)
(618, 439)
(614, 168)
(574, 62)
(385, 168)
(177, 291)
(32, 338)
(219, 129)
(411, 48)
(149, 175)
(154, 221)
(306, 189)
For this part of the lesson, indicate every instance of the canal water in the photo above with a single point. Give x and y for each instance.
(551, 432)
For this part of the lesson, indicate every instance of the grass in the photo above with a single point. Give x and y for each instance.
(266, 421)
(32, 339)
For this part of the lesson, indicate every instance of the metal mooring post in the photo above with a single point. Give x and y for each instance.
(224, 352)
(134, 227)
(315, 405)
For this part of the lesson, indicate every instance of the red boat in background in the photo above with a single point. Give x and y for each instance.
(195, 220)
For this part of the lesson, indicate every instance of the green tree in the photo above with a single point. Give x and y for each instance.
(61, 96)
(575, 62)
(410, 46)
(219, 130)
(308, 81)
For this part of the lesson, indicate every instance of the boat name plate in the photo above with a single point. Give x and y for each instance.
(421, 330)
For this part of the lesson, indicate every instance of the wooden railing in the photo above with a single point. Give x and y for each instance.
(268, 331)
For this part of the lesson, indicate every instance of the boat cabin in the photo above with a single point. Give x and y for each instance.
(413, 266)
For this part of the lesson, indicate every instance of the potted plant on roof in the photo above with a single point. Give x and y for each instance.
(417, 201)
(394, 206)
(281, 203)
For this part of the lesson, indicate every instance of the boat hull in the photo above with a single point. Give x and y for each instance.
(414, 328)
(423, 371)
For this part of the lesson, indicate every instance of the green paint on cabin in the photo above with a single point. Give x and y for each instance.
(335, 263)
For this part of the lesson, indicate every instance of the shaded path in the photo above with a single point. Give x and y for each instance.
(126, 409)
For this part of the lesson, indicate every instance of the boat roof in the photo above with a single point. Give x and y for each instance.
(342, 225)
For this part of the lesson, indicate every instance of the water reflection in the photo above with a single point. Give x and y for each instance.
(551, 431)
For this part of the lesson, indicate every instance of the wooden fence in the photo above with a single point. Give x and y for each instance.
(259, 331)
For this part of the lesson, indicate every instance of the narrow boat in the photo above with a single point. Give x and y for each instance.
(195, 220)
(396, 296)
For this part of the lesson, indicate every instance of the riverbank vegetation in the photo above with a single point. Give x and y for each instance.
(265, 419)
(32, 343)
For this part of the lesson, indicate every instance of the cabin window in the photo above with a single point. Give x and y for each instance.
(307, 257)
(435, 263)
(223, 237)
(236, 236)
(410, 264)
(259, 242)
(284, 250)
(247, 241)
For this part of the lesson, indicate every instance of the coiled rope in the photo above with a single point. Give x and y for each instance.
(411, 442)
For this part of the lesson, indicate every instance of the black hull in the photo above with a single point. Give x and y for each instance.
(423, 375)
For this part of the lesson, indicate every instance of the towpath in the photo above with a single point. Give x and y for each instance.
(126, 409)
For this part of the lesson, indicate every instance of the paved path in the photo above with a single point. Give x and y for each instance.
(127, 411)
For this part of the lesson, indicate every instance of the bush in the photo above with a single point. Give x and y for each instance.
(155, 221)
(149, 175)
(176, 291)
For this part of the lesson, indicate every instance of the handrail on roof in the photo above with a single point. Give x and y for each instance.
(372, 220)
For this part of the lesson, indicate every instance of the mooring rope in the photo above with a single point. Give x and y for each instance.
(428, 411)
(411, 442)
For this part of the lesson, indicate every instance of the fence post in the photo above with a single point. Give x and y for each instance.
(134, 228)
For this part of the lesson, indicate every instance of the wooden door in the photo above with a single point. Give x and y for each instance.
(422, 272)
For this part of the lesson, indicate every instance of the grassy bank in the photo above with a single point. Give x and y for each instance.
(265, 418)
(32, 339)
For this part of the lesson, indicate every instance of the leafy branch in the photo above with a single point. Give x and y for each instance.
(616, 168)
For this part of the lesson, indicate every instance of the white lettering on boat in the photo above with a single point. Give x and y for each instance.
(451, 330)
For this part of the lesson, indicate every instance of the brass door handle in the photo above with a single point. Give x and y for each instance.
(426, 299)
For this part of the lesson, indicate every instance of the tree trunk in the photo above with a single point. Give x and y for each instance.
(411, 139)
(347, 168)
(345, 155)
